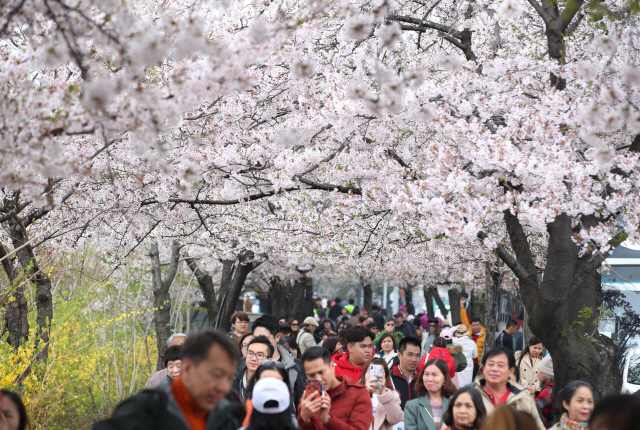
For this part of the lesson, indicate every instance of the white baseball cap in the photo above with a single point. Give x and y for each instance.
(410, 318)
(270, 396)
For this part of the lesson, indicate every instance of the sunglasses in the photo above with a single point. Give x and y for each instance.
(337, 351)
(269, 363)
(432, 325)
(295, 325)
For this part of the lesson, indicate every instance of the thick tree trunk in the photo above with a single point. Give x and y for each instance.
(16, 310)
(408, 298)
(454, 305)
(161, 296)
(428, 298)
(367, 293)
(44, 297)
(476, 308)
(265, 301)
(205, 282)
(492, 303)
(246, 264)
(563, 306)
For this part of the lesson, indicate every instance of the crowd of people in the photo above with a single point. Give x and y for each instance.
(343, 368)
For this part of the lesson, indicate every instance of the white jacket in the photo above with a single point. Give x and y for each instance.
(470, 351)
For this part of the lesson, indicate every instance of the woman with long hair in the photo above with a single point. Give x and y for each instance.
(295, 327)
(574, 406)
(271, 399)
(387, 349)
(13, 414)
(434, 389)
(527, 361)
(466, 410)
(385, 401)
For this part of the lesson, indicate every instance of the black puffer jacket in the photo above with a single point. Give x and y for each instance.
(157, 410)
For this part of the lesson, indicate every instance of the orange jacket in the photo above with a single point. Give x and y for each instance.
(483, 334)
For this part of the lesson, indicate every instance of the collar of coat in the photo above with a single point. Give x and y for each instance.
(513, 390)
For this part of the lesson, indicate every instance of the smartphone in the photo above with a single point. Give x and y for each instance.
(375, 372)
(525, 384)
(314, 386)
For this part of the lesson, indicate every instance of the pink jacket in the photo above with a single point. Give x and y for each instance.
(388, 413)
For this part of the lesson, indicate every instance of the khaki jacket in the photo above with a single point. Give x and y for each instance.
(528, 373)
(518, 399)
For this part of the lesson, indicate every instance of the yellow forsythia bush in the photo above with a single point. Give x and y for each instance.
(95, 360)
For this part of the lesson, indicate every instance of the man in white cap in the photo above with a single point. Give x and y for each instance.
(305, 338)
(543, 397)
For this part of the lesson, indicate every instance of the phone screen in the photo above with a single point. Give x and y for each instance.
(314, 386)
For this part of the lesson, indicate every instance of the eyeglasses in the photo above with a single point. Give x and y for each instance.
(258, 355)
(337, 351)
(432, 325)
(268, 363)
(295, 325)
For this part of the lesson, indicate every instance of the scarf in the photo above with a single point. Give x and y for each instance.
(196, 417)
(567, 424)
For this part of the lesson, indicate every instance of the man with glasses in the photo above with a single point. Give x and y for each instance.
(267, 325)
(360, 349)
(403, 373)
(240, 325)
(259, 349)
(305, 338)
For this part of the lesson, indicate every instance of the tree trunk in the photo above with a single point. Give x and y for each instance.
(563, 306)
(16, 310)
(367, 294)
(476, 308)
(161, 296)
(302, 298)
(428, 298)
(246, 264)
(454, 306)
(44, 297)
(439, 302)
(279, 293)
(205, 282)
(408, 298)
(492, 303)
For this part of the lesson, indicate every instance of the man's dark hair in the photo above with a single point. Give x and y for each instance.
(402, 347)
(374, 308)
(172, 353)
(199, 344)
(285, 329)
(362, 319)
(476, 319)
(620, 412)
(318, 299)
(337, 300)
(358, 334)
(239, 316)
(263, 340)
(314, 353)
(269, 322)
(511, 323)
(499, 350)
(345, 318)
(356, 311)
(322, 313)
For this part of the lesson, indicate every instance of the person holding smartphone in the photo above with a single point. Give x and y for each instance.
(332, 402)
(385, 401)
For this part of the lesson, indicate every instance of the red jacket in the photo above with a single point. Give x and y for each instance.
(443, 353)
(350, 409)
(344, 368)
